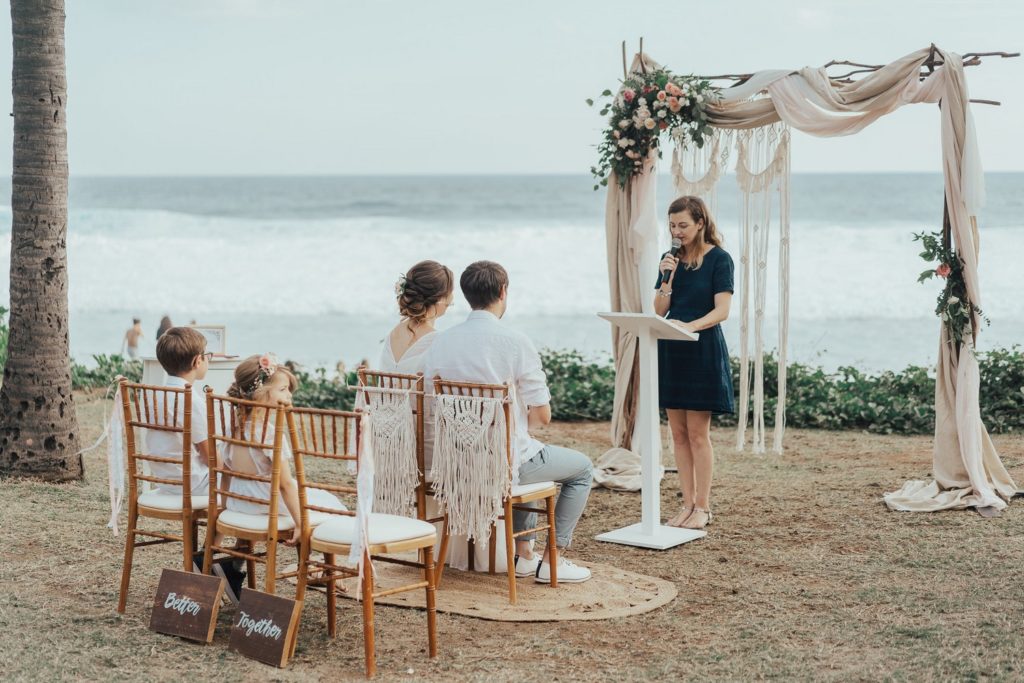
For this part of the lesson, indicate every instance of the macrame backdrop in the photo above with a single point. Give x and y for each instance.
(762, 172)
(967, 469)
(471, 472)
(394, 439)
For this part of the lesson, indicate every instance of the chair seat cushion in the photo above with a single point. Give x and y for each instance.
(383, 529)
(527, 489)
(255, 522)
(171, 501)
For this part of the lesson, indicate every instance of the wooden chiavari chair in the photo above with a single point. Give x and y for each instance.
(156, 409)
(240, 423)
(322, 441)
(519, 498)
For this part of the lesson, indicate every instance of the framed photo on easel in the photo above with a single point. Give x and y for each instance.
(216, 337)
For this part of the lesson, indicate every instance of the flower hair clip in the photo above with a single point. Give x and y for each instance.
(268, 366)
(400, 286)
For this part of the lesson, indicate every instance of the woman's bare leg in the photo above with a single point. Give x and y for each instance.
(698, 429)
(677, 423)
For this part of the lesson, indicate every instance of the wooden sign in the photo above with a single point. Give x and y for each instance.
(264, 627)
(186, 605)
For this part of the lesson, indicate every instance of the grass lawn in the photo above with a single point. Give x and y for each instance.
(804, 575)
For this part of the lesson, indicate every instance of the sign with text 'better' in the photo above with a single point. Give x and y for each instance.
(186, 605)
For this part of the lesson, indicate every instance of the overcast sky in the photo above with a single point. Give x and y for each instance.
(210, 87)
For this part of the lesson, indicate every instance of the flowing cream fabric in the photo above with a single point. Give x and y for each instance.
(966, 466)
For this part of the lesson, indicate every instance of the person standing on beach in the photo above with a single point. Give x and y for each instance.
(694, 378)
(131, 339)
(165, 324)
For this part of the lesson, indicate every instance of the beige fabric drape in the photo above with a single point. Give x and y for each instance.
(966, 466)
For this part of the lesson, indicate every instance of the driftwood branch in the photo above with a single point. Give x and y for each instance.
(934, 60)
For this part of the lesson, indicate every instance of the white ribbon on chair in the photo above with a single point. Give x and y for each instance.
(116, 466)
(364, 493)
(471, 472)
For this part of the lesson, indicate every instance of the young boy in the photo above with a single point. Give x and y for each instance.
(183, 356)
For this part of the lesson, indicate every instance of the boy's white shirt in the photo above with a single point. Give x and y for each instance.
(168, 444)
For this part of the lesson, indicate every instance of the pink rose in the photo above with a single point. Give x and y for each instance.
(673, 104)
(661, 95)
(628, 94)
(673, 89)
(944, 270)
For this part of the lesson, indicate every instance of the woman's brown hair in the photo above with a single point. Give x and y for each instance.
(426, 284)
(708, 234)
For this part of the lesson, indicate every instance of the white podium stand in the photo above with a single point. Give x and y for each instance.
(650, 532)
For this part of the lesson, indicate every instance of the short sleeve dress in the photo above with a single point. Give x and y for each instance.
(696, 375)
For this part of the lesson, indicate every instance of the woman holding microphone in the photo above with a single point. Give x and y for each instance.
(694, 288)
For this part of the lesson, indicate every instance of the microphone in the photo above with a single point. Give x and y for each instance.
(677, 244)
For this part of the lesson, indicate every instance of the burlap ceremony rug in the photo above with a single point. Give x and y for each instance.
(611, 593)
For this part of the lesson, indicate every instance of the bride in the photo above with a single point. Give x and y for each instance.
(424, 295)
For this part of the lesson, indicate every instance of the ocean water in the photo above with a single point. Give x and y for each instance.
(306, 266)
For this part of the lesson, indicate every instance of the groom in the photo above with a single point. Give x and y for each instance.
(483, 349)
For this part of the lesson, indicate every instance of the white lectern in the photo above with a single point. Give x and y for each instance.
(650, 532)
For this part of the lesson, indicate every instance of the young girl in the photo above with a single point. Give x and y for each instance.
(263, 379)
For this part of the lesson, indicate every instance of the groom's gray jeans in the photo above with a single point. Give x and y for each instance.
(574, 472)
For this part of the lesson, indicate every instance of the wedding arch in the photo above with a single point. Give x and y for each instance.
(704, 124)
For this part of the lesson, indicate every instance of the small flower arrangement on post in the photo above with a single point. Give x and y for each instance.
(647, 105)
(953, 306)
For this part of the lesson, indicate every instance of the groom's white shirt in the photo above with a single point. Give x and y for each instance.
(483, 349)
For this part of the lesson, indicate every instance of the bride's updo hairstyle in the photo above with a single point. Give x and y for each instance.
(427, 283)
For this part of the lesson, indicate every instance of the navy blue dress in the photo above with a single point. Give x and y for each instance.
(696, 375)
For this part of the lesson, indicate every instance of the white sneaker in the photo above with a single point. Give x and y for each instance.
(567, 572)
(526, 567)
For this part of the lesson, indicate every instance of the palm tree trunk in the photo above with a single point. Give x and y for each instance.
(38, 425)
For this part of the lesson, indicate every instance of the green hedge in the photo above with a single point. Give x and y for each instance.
(582, 389)
(886, 403)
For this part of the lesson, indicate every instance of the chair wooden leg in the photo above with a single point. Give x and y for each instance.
(126, 568)
(510, 552)
(552, 542)
(442, 556)
(428, 575)
(250, 571)
(332, 598)
(367, 595)
(188, 541)
(208, 553)
(493, 550)
(270, 578)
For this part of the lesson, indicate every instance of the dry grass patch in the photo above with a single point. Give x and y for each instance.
(804, 575)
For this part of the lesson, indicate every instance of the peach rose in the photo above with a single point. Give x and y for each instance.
(944, 270)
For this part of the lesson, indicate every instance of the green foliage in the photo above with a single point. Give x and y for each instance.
(952, 304)
(900, 402)
(317, 390)
(106, 370)
(580, 389)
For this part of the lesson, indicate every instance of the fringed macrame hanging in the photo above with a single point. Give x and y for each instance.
(762, 171)
(394, 438)
(471, 472)
(697, 170)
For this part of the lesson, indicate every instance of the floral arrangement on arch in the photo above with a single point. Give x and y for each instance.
(953, 306)
(647, 105)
